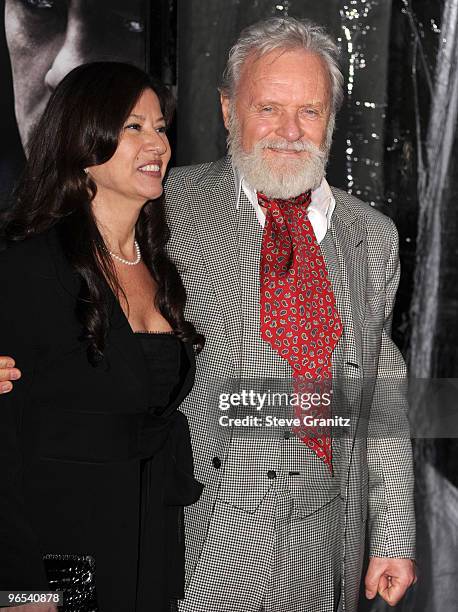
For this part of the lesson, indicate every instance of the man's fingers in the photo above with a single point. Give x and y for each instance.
(371, 593)
(384, 584)
(394, 592)
(390, 577)
(414, 570)
(8, 373)
(371, 582)
(386, 590)
(5, 387)
(6, 362)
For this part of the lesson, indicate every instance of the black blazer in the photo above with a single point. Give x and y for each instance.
(73, 437)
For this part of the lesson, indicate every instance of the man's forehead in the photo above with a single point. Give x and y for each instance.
(283, 73)
(274, 61)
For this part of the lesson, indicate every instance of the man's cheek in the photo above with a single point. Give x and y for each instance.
(255, 130)
(15, 38)
(29, 74)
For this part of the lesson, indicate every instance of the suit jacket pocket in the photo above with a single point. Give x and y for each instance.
(312, 488)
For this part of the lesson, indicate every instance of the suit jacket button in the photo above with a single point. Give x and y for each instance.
(271, 474)
(216, 461)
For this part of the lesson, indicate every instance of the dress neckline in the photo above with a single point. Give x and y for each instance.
(155, 333)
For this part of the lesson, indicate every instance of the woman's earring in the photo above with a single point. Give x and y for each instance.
(86, 170)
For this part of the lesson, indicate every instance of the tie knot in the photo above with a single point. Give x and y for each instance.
(302, 200)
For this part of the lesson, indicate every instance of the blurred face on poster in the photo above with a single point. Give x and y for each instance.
(47, 38)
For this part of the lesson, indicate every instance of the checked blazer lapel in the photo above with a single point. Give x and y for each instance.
(213, 206)
(345, 252)
(349, 266)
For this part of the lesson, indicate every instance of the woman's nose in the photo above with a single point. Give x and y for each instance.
(156, 142)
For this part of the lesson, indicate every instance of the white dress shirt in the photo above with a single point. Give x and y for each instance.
(320, 208)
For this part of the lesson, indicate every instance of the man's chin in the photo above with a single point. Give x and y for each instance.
(278, 178)
(285, 185)
(279, 164)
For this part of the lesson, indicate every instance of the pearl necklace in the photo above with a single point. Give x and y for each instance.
(126, 261)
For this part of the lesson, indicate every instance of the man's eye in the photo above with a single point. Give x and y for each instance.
(135, 26)
(267, 109)
(39, 4)
(311, 112)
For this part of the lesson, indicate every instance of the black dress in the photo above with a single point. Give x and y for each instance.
(161, 546)
(94, 461)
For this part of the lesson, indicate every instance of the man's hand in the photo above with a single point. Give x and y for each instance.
(7, 373)
(390, 578)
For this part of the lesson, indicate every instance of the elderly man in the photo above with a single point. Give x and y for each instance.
(277, 529)
(290, 280)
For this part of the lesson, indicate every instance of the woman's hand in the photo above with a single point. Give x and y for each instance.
(44, 607)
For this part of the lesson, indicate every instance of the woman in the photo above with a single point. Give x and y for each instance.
(95, 460)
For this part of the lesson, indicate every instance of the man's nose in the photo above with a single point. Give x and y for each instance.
(290, 127)
(70, 54)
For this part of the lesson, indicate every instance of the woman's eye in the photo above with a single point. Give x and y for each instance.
(162, 129)
(134, 126)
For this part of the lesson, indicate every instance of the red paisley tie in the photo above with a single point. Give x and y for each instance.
(299, 318)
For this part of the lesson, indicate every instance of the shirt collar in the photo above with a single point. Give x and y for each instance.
(320, 208)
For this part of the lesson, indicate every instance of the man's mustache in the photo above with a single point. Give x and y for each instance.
(297, 145)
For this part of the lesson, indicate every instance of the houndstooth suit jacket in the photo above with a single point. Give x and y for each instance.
(215, 247)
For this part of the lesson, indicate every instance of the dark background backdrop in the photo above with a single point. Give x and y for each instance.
(394, 147)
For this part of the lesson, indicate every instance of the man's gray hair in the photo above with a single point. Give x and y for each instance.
(283, 33)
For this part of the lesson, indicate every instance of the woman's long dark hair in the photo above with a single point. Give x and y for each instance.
(80, 127)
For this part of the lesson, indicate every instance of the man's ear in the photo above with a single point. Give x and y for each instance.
(225, 107)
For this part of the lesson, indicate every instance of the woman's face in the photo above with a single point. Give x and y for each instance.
(135, 172)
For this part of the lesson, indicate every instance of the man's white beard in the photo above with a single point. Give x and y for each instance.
(278, 178)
